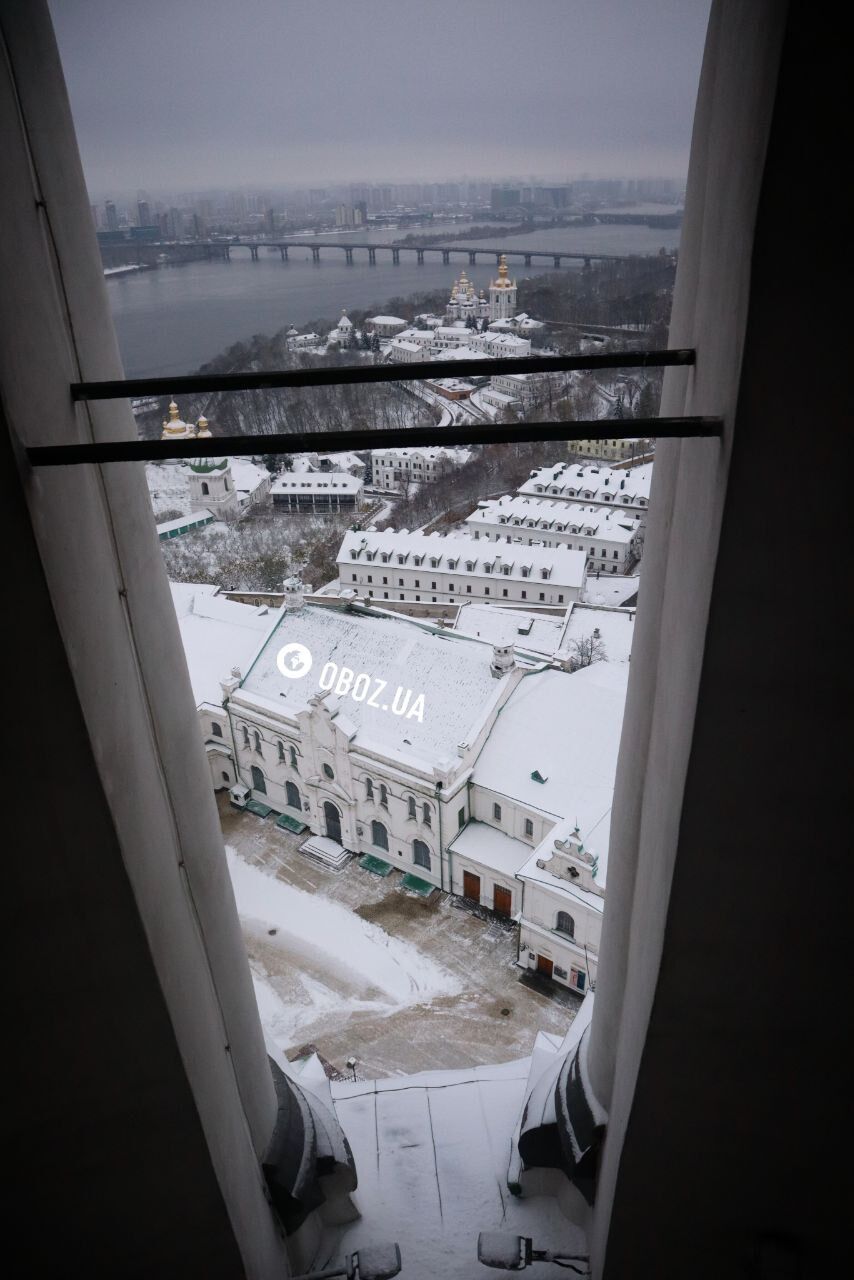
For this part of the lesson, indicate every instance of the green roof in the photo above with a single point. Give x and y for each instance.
(206, 465)
(262, 810)
(416, 885)
(370, 863)
(288, 823)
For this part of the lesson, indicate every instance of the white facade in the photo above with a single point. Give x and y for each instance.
(387, 326)
(502, 294)
(602, 486)
(318, 492)
(393, 469)
(402, 352)
(561, 915)
(212, 488)
(611, 540)
(441, 569)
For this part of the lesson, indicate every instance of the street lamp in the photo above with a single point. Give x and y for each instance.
(514, 1253)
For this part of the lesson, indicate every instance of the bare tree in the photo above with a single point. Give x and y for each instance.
(586, 650)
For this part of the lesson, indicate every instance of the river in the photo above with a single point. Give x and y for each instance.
(175, 318)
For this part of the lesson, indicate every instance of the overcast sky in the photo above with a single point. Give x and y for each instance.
(187, 94)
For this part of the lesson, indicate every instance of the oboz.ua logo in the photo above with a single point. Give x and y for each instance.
(294, 661)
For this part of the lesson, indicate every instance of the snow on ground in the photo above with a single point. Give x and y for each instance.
(347, 963)
(309, 991)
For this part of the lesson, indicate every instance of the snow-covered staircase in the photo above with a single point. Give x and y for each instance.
(327, 852)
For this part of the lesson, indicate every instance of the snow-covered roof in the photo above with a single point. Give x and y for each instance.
(317, 482)
(615, 525)
(429, 455)
(387, 320)
(436, 1152)
(604, 484)
(565, 727)
(616, 629)
(547, 853)
(184, 522)
(610, 589)
(491, 848)
(217, 634)
(401, 345)
(247, 476)
(530, 632)
(563, 566)
(452, 673)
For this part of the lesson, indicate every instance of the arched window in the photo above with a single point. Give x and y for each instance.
(379, 835)
(565, 924)
(328, 771)
(411, 806)
(215, 729)
(427, 815)
(369, 789)
(245, 736)
(280, 747)
(225, 776)
(383, 795)
(257, 740)
(293, 796)
(258, 783)
(293, 755)
(421, 854)
(205, 489)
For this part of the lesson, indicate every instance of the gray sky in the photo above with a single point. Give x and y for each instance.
(186, 94)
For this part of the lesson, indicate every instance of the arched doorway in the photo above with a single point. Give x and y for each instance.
(258, 783)
(332, 821)
(293, 795)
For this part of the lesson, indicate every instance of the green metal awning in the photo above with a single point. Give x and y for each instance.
(416, 885)
(287, 823)
(370, 863)
(262, 810)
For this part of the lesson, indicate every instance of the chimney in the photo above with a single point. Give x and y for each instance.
(503, 659)
(294, 592)
(230, 683)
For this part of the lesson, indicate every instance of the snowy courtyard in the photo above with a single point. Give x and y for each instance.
(358, 967)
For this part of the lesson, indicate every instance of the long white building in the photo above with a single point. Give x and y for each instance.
(451, 568)
(602, 486)
(611, 540)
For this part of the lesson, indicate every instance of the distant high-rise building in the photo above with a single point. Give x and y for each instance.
(143, 214)
(112, 216)
(505, 197)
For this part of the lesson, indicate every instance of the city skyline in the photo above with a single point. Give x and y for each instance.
(278, 95)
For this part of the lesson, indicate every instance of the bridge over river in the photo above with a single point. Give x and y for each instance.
(182, 250)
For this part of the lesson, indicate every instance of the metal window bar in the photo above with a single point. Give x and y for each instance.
(332, 441)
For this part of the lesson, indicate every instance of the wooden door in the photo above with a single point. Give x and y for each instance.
(545, 966)
(333, 822)
(471, 886)
(502, 900)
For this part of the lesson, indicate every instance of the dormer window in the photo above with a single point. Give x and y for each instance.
(505, 569)
(401, 559)
(354, 554)
(385, 557)
(470, 566)
(525, 571)
(544, 573)
(434, 562)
